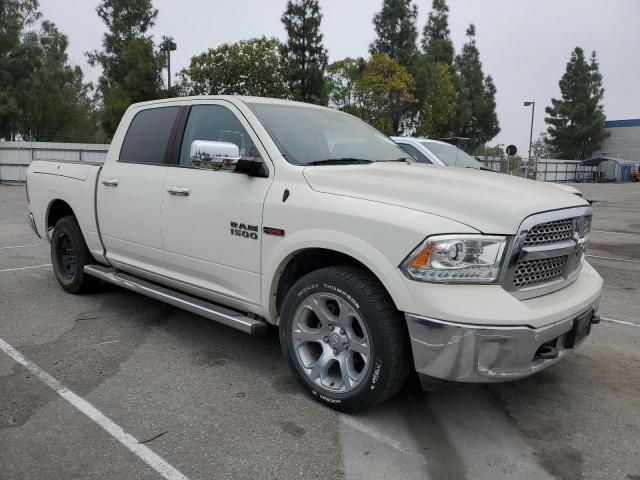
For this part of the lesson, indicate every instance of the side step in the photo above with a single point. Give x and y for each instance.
(195, 305)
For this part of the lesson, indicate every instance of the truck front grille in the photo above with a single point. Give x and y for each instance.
(547, 253)
(537, 272)
(551, 232)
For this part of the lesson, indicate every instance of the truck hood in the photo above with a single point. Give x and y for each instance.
(487, 201)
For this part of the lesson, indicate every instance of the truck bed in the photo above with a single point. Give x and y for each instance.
(53, 183)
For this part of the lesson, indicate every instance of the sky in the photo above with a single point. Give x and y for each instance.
(524, 44)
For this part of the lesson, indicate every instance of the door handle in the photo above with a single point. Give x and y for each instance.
(179, 191)
(110, 182)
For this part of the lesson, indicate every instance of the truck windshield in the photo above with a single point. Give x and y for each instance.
(452, 155)
(315, 136)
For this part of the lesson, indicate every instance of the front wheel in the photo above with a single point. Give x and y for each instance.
(69, 255)
(344, 339)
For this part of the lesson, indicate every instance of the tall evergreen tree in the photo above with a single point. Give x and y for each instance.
(307, 57)
(395, 27)
(437, 49)
(476, 116)
(131, 68)
(436, 43)
(576, 121)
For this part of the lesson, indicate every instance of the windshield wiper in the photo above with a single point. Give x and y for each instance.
(340, 161)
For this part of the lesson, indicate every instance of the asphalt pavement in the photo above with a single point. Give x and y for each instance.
(115, 385)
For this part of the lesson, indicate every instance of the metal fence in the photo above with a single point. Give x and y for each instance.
(15, 157)
(548, 170)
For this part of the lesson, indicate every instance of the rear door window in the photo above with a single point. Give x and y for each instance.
(149, 135)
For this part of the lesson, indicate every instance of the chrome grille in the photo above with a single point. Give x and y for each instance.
(536, 272)
(547, 253)
(551, 232)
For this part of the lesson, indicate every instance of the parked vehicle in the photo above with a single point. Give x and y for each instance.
(256, 212)
(426, 150)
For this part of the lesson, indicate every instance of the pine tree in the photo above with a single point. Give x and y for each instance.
(307, 57)
(131, 68)
(436, 43)
(476, 117)
(576, 121)
(437, 49)
(395, 27)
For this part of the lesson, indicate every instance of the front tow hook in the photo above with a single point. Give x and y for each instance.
(547, 352)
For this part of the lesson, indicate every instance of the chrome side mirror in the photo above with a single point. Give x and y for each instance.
(210, 155)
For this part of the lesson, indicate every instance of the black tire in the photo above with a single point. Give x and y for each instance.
(69, 255)
(389, 363)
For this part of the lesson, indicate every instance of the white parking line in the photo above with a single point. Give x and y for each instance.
(129, 441)
(622, 322)
(19, 246)
(375, 434)
(24, 268)
(615, 258)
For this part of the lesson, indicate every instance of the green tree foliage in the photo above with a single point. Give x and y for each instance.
(342, 77)
(15, 64)
(249, 67)
(439, 108)
(386, 90)
(576, 121)
(55, 102)
(131, 68)
(436, 43)
(307, 57)
(476, 103)
(395, 27)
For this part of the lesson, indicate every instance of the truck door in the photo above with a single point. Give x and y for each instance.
(212, 220)
(129, 196)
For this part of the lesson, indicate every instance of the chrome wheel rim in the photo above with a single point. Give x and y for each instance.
(331, 342)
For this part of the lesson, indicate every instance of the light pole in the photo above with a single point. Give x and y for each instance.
(533, 111)
(169, 46)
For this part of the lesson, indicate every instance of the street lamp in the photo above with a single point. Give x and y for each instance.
(533, 110)
(168, 46)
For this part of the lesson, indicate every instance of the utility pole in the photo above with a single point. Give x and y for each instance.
(533, 110)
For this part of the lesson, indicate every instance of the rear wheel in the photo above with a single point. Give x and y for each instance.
(344, 339)
(69, 255)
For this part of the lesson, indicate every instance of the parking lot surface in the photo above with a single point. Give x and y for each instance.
(207, 402)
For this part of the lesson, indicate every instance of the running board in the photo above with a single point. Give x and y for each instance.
(195, 305)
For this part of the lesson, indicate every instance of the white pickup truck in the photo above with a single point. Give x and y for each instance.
(257, 212)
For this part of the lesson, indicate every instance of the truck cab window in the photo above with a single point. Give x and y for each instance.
(148, 136)
(215, 123)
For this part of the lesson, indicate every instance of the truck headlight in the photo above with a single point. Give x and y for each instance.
(456, 259)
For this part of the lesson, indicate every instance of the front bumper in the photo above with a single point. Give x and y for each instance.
(485, 354)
